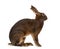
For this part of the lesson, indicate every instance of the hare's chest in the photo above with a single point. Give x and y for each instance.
(37, 26)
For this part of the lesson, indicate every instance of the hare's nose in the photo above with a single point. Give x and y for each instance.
(46, 18)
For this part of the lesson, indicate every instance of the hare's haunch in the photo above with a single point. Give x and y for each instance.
(25, 27)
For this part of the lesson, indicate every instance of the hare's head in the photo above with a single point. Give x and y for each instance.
(39, 15)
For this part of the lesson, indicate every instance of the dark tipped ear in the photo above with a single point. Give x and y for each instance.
(34, 9)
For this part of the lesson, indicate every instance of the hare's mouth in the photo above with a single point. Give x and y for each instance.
(45, 18)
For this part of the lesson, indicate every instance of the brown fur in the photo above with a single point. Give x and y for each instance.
(25, 27)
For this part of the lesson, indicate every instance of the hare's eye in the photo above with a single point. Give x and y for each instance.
(42, 14)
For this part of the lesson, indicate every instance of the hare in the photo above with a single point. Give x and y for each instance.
(26, 27)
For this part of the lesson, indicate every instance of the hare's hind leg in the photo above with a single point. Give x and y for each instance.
(20, 42)
(25, 44)
(16, 38)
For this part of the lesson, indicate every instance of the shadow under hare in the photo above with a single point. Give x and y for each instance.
(25, 27)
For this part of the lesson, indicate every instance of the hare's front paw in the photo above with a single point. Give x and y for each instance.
(39, 45)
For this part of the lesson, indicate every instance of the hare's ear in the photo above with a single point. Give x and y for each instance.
(34, 9)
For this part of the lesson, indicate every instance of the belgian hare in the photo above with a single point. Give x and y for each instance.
(26, 27)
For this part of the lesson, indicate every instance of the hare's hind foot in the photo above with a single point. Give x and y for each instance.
(27, 44)
(23, 44)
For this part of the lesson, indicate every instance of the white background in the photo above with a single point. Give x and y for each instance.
(13, 10)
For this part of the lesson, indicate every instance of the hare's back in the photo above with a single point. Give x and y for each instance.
(24, 24)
